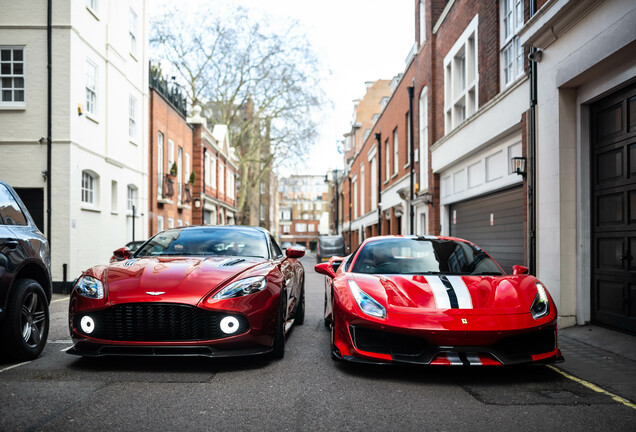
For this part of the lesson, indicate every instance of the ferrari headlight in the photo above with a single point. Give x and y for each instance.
(90, 287)
(367, 304)
(540, 306)
(242, 287)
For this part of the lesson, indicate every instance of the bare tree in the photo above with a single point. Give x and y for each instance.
(263, 84)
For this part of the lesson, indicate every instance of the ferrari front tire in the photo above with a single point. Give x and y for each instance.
(26, 324)
(278, 347)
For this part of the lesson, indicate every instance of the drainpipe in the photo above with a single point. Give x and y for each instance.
(202, 193)
(49, 113)
(336, 196)
(350, 206)
(378, 136)
(532, 150)
(411, 157)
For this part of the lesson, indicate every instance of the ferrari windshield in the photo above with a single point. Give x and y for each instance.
(207, 241)
(423, 256)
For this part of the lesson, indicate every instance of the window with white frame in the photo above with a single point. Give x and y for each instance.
(91, 88)
(170, 154)
(221, 178)
(159, 223)
(12, 76)
(262, 212)
(160, 165)
(132, 31)
(89, 188)
(131, 195)
(186, 169)
(355, 198)
(206, 163)
(230, 184)
(170, 223)
(311, 227)
(213, 171)
(286, 229)
(511, 50)
(423, 139)
(132, 117)
(113, 196)
(461, 78)
(395, 151)
(387, 159)
(301, 227)
(374, 183)
(92, 5)
(422, 22)
(262, 188)
(362, 189)
(179, 222)
(179, 174)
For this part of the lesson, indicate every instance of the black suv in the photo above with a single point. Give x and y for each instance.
(25, 279)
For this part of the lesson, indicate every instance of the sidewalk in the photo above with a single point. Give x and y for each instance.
(603, 357)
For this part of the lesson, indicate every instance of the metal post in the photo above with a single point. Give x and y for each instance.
(411, 161)
(532, 144)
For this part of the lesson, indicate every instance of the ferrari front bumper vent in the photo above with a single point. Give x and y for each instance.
(159, 322)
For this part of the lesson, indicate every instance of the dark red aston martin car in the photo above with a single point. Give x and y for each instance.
(202, 290)
(436, 301)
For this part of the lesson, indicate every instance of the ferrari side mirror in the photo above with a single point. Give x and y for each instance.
(325, 269)
(519, 270)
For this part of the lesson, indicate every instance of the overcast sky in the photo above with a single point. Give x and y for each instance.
(358, 41)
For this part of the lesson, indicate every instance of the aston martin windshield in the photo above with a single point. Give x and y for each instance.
(424, 256)
(207, 241)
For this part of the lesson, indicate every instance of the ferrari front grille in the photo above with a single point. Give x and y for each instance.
(158, 322)
(383, 342)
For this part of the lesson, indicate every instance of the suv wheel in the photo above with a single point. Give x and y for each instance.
(26, 325)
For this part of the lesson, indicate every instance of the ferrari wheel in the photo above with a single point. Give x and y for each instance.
(299, 317)
(278, 350)
(26, 325)
(333, 333)
(324, 313)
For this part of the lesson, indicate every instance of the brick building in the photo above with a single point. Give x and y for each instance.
(523, 126)
(170, 157)
(216, 170)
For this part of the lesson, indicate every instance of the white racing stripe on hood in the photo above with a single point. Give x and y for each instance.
(442, 301)
(461, 291)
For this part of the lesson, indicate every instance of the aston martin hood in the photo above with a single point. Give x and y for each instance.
(481, 294)
(174, 279)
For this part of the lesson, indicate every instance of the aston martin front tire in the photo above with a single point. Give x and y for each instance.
(278, 348)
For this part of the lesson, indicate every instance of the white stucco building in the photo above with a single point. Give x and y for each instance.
(586, 158)
(99, 123)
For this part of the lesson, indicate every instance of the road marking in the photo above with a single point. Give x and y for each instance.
(595, 388)
(60, 341)
(66, 349)
(14, 366)
(58, 300)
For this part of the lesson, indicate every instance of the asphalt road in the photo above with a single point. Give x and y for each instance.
(307, 390)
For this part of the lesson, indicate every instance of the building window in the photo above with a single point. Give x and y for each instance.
(262, 186)
(12, 75)
(91, 88)
(374, 183)
(132, 31)
(311, 228)
(159, 165)
(262, 212)
(422, 22)
(92, 5)
(186, 169)
(362, 189)
(511, 50)
(221, 178)
(395, 151)
(159, 223)
(213, 171)
(179, 174)
(179, 222)
(461, 78)
(355, 198)
(131, 197)
(89, 188)
(170, 223)
(301, 227)
(423, 153)
(113, 196)
(285, 229)
(387, 154)
(132, 117)
(230, 184)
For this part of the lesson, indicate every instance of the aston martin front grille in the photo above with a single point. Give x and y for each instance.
(158, 322)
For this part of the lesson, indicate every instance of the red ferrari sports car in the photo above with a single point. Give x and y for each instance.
(200, 290)
(435, 301)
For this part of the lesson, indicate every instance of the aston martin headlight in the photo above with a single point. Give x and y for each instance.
(540, 306)
(367, 304)
(242, 287)
(90, 287)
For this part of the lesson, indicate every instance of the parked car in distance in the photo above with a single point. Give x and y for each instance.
(213, 291)
(329, 246)
(25, 279)
(132, 247)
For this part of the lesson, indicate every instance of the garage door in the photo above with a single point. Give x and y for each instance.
(495, 223)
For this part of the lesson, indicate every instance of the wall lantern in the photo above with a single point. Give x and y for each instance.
(427, 198)
(519, 166)
(197, 202)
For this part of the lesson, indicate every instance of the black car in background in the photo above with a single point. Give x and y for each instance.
(25, 280)
(328, 246)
